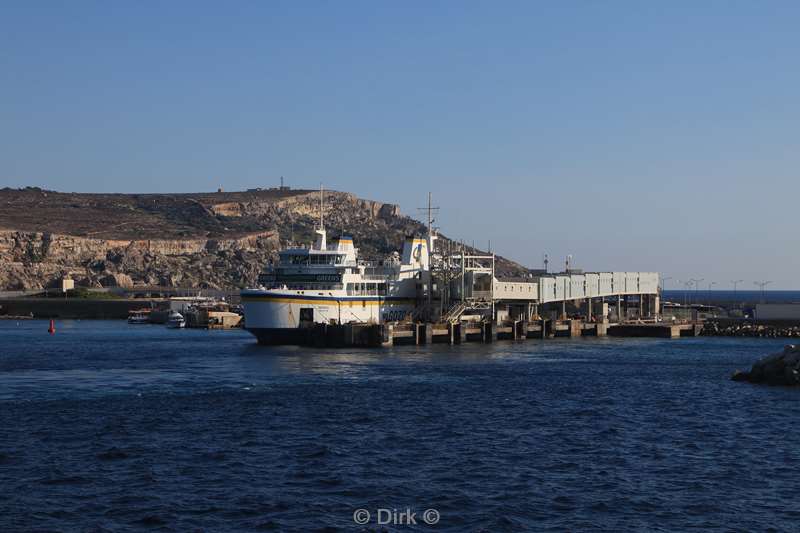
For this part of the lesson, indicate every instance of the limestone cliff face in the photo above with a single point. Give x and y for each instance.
(206, 240)
(213, 240)
(34, 260)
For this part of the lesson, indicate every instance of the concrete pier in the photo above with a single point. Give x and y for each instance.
(479, 306)
(398, 334)
(669, 331)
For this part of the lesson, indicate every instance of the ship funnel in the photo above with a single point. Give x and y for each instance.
(321, 243)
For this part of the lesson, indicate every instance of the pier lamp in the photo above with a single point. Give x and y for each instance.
(687, 285)
(736, 283)
(696, 287)
(710, 284)
(762, 285)
(664, 283)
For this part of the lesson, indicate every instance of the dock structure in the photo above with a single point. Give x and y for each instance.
(421, 333)
(466, 286)
(465, 301)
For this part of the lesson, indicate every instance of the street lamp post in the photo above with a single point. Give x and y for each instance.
(736, 283)
(664, 284)
(687, 285)
(696, 288)
(762, 285)
(710, 284)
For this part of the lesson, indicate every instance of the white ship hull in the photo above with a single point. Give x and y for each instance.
(269, 311)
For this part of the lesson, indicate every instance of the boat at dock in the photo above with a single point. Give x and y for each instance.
(176, 320)
(212, 315)
(329, 283)
(139, 316)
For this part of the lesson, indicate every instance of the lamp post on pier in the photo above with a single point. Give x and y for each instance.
(696, 287)
(664, 284)
(762, 285)
(710, 284)
(736, 283)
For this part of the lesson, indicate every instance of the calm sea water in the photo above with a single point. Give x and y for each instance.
(108, 427)
(729, 296)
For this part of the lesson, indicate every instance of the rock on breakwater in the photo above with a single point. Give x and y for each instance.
(777, 369)
(749, 329)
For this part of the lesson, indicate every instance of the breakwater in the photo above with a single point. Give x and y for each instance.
(750, 328)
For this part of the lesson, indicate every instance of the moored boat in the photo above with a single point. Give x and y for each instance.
(329, 283)
(139, 316)
(176, 320)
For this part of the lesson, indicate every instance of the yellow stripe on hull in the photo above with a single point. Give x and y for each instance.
(316, 301)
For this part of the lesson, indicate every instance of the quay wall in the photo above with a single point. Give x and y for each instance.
(71, 309)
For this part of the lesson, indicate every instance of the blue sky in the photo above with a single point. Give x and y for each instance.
(634, 135)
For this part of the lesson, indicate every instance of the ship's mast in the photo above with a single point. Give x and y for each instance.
(321, 208)
(430, 221)
(321, 241)
(430, 254)
(430, 237)
(430, 210)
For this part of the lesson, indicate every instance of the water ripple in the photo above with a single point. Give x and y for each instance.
(109, 428)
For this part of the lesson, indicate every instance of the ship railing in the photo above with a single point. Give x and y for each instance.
(379, 277)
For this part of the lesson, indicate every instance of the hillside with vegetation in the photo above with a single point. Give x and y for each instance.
(191, 240)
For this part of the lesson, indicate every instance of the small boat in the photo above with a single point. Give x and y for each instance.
(139, 317)
(176, 320)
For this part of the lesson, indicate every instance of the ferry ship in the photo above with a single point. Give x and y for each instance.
(328, 283)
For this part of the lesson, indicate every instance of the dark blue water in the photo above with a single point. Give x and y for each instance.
(109, 427)
(729, 296)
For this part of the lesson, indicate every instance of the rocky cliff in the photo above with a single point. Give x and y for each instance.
(33, 260)
(209, 240)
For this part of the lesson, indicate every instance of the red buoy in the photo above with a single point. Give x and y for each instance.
(52, 329)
